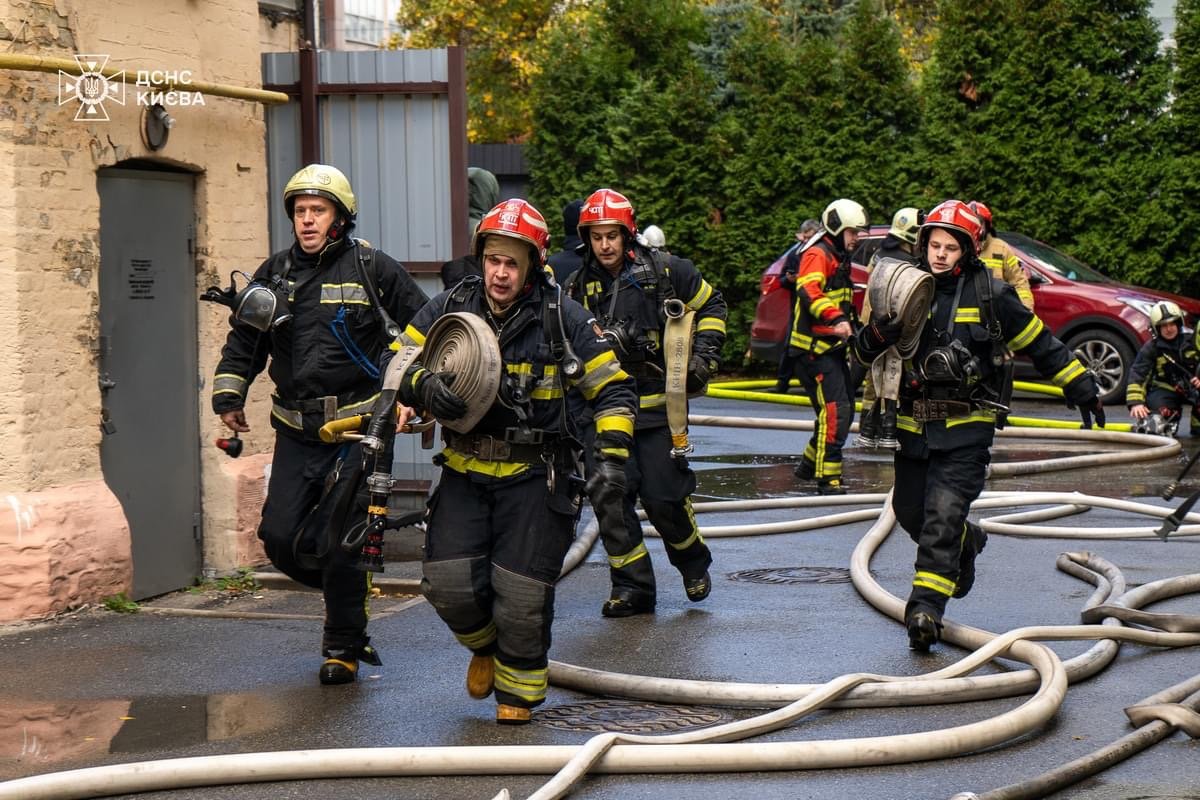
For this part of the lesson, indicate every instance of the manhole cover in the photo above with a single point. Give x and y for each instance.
(793, 575)
(629, 716)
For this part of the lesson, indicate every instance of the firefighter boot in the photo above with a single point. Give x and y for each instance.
(626, 601)
(341, 663)
(830, 486)
(924, 630)
(887, 426)
(974, 540)
(480, 676)
(697, 588)
(868, 426)
(806, 470)
(512, 715)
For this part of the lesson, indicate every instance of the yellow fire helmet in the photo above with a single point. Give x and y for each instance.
(325, 181)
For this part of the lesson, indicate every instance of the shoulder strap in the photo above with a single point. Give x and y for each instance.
(364, 256)
(987, 315)
(461, 292)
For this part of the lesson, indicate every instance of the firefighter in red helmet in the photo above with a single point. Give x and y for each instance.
(949, 405)
(627, 286)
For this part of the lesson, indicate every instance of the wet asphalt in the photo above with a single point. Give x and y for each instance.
(94, 687)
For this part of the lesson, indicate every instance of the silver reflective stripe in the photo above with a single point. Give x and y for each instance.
(295, 419)
(344, 293)
(229, 384)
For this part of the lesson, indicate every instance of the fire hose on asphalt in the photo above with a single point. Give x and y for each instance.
(720, 749)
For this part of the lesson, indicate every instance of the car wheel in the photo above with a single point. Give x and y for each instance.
(1108, 357)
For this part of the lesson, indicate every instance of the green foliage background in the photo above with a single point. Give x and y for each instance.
(728, 123)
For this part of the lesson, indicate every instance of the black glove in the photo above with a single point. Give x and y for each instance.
(437, 398)
(1086, 412)
(879, 335)
(607, 480)
(701, 368)
(1083, 394)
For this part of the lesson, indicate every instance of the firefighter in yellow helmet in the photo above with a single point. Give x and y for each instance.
(323, 341)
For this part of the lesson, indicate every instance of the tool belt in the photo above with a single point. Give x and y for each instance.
(926, 409)
(329, 408)
(493, 448)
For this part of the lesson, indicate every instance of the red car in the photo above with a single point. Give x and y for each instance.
(1105, 322)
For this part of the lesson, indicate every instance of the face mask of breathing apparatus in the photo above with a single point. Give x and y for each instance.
(259, 304)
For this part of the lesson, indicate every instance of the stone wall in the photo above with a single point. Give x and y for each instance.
(50, 257)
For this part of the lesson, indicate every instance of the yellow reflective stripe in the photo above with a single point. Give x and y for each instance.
(1026, 296)
(908, 424)
(711, 324)
(598, 373)
(967, 315)
(616, 562)
(812, 277)
(701, 296)
(1134, 393)
(616, 420)
(979, 415)
(652, 400)
(930, 580)
(839, 295)
(820, 305)
(412, 336)
(524, 368)
(527, 684)
(695, 537)
(339, 293)
(1068, 373)
(805, 342)
(480, 638)
(462, 463)
(1027, 335)
(620, 452)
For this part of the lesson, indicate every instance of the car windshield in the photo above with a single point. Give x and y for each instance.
(1056, 263)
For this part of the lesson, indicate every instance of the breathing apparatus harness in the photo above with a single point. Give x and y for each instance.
(951, 377)
(647, 272)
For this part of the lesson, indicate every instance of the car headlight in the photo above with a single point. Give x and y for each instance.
(1138, 304)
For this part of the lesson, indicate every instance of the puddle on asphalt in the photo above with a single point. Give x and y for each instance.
(34, 735)
(759, 475)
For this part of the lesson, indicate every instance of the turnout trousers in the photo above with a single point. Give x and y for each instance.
(932, 498)
(294, 519)
(664, 484)
(493, 552)
(826, 380)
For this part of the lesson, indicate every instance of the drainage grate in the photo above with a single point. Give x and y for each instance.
(629, 716)
(793, 575)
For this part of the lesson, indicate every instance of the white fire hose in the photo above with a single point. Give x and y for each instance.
(719, 750)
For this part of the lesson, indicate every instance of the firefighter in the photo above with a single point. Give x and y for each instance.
(823, 319)
(949, 401)
(324, 340)
(626, 285)
(1163, 376)
(900, 244)
(503, 515)
(997, 256)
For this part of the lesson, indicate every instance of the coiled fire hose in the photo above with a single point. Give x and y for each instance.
(457, 343)
(677, 352)
(898, 290)
(1049, 675)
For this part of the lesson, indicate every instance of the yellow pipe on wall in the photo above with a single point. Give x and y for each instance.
(53, 64)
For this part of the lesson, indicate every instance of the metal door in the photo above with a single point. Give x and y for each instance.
(148, 371)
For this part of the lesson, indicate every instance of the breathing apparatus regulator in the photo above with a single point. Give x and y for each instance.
(262, 305)
(950, 365)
